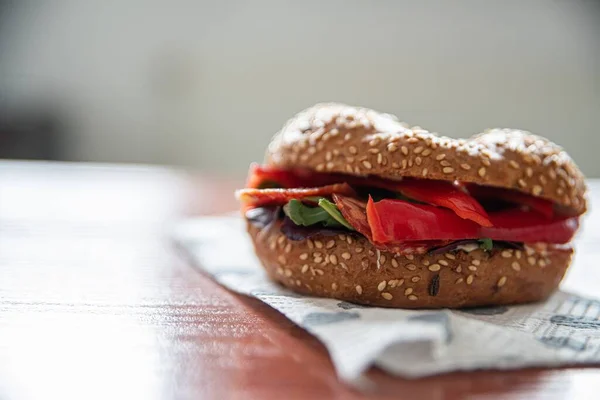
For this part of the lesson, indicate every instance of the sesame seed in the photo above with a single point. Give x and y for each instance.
(469, 279)
(329, 165)
(319, 271)
(531, 260)
(501, 281)
(373, 151)
(529, 172)
(330, 244)
(370, 252)
(374, 142)
(543, 180)
(304, 268)
(424, 172)
(412, 297)
(367, 164)
(333, 259)
(358, 289)
(514, 164)
(395, 165)
(349, 239)
(353, 150)
(394, 263)
(387, 296)
(281, 259)
(415, 279)
(404, 150)
(445, 163)
(379, 159)
(410, 162)
(426, 152)
(440, 157)
(344, 266)
(303, 256)
(472, 268)
(443, 262)
(334, 286)
(560, 191)
(348, 168)
(410, 257)
(279, 270)
(434, 267)
(466, 167)
(311, 244)
(342, 237)
(552, 174)
(459, 269)
(518, 254)
(392, 147)
(536, 190)
(522, 183)
(404, 163)
(288, 272)
(481, 172)
(298, 283)
(358, 249)
(381, 285)
(280, 240)
(448, 170)
(408, 291)
(485, 162)
(288, 248)
(541, 263)
(318, 245)
(516, 266)
(272, 245)
(418, 160)
(476, 262)
(425, 262)
(328, 156)
(506, 254)
(450, 256)
(400, 282)
(320, 167)
(346, 255)
(459, 280)
(318, 259)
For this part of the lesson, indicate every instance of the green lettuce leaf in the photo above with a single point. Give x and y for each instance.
(326, 214)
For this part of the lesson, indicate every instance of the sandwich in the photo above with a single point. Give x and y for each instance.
(354, 205)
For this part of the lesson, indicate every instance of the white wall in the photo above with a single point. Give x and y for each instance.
(206, 85)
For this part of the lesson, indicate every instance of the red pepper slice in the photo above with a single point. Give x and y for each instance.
(354, 211)
(396, 221)
(527, 226)
(444, 194)
(542, 206)
(262, 197)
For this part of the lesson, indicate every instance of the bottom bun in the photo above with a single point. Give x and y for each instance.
(348, 267)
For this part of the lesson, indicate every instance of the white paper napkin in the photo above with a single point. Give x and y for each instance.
(564, 330)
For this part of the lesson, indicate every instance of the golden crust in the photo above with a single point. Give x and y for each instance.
(348, 267)
(344, 139)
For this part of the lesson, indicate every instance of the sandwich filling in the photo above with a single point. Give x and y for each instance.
(402, 216)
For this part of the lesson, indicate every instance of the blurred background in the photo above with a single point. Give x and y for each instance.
(204, 85)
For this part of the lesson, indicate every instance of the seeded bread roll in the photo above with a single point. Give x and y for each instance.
(360, 141)
(348, 267)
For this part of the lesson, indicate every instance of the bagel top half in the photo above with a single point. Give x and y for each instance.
(337, 138)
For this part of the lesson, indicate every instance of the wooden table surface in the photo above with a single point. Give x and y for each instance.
(96, 303)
